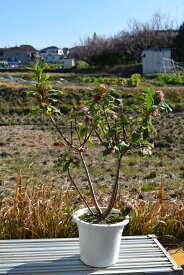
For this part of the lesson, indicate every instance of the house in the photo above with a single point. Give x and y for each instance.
(1, 54)
(156, 60)
(52, 54)
(22, 54)
(68, 62)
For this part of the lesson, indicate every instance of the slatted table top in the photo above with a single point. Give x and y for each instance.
(138, 255)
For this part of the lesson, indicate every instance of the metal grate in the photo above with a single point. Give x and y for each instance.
(138, 255)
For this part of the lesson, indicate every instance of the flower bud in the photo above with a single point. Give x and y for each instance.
(96, 97)
(75, 108)
(57, 144)
(42, 90)
(113, 116)
(112, 150)
(86, 119)
(152, 146)
(103, 87)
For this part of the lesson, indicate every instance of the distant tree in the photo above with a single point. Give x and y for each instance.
(179, 44)
(126, 47)
(156, 33)
(90, 47)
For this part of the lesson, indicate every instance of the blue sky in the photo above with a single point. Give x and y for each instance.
(63, 23)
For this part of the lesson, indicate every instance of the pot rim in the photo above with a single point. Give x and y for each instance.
(81, 211)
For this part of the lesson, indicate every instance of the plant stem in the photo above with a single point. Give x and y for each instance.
(98, 136)
(61, 133)
(90, 185)
(77, 132)
(71, 132)
(72, 181)
(114, 191)
(87, 137)
(116, 184)
(106, 118)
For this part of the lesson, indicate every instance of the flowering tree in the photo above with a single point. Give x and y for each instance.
(117, 128)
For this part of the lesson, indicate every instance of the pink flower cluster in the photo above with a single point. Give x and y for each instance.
(159, 97)
(103, 87)
(131, 204)
(155, 111)
(83, 109)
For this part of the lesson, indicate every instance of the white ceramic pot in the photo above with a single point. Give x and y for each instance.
(99, 243)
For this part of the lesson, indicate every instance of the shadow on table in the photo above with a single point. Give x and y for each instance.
(65, 265)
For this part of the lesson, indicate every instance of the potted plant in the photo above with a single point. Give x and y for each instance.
(103, 120)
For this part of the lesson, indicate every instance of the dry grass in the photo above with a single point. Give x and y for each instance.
(45, 212)
(36, 212)
(163, 217)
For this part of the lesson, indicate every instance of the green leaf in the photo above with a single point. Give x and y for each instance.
(83, 131)
(55, 110)
(139, 119)
(91, 143)
(62, 159)
(117, 153)
(123, 144)
(145, 133)
(164, 106)
(76, 162)
(120, 100)
(110, 112)
(133, 106)
(106, 152)
(106, 144)
(106, 101)
(136, 136)
(149, 100)
(112, 132)
(36, 108)
(123, 120)
(150, 91)
(66, 166)
(126, 212)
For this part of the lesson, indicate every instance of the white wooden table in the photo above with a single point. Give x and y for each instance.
(138, 255)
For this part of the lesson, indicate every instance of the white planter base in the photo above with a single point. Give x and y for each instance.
(99, 243)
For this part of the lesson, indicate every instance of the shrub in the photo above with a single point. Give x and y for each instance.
(133, 80)
(163, 79)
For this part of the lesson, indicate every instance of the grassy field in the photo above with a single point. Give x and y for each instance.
(26, 148)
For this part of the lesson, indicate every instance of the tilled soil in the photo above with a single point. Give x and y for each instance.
(29, 150)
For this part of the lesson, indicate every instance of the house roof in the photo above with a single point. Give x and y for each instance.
(23, 48)
(28, 47)
(51, 48)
